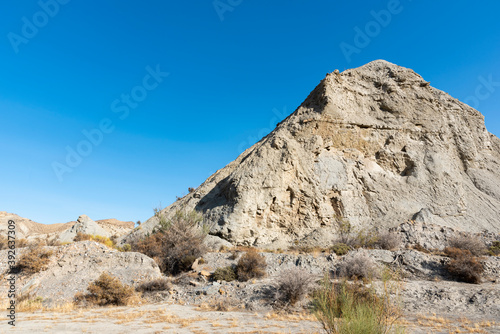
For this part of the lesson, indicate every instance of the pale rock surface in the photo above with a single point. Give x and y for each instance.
(376, 145)
(72, 267)
(83, 225)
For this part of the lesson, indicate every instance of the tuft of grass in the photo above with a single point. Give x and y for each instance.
(251, 265)
(106, 290)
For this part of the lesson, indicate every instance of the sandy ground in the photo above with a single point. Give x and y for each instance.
(171, 318)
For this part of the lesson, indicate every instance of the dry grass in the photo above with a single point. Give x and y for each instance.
(463, 325)
(159, 284)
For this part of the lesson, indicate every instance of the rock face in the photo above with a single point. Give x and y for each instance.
(83, 225)
(376, 145)
(72, 267)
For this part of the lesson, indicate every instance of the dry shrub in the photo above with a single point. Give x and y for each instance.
(463, 266)
(159, 284)
(360, 265)
(227, 274)
(34, 260)
(106, 290)
(251, 265)
(387, 240)
(292, 285)
(176, 244)
(82, 237)
(471, 243)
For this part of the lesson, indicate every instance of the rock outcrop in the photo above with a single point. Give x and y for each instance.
(376, 145)
(83, 225)
(72, 267)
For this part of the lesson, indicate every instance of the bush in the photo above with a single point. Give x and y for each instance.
(463, 266)
(176, 244)
(353, 308)
(494, 249)
(387, 240)
(353, 237)
(159, 284)
(34, 260)
(251, 265)
(292, 285)
(358, 266)
(224, 274)
(340, 249)
(106, 290)
(473, 244)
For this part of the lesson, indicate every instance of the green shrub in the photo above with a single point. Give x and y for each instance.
(227, 274)
(353, 308)
(106, 290)
(34, 260)
(340, 249)
(494, 249)
(251, 265)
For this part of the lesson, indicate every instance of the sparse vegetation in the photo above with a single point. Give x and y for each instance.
(106, 290)
(4, 244)
(227, 274)
(251, 265)
(292, 285)
(159, 284)
(471, 243)
(354, 308)
(358, 266)
(176, 244)
(34, 260)
(463, 266)
(100, 239)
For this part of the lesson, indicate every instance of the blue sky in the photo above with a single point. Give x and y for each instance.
(171, 91)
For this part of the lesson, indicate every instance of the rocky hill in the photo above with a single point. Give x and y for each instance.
(30, 230)
(376, 145)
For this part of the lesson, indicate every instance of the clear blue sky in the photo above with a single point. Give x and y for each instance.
(233, 72)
